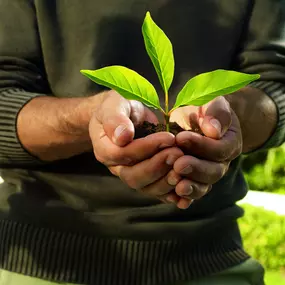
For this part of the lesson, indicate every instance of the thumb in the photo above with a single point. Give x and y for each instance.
(114, 116)
(215, 118)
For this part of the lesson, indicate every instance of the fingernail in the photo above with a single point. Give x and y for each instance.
(209, 189)
(171, 160)
(227, 105)
(191, 202)
(216, 124)
(171, 199)
(119, 130)
(173, 181)
(189, 190)
(187, 170)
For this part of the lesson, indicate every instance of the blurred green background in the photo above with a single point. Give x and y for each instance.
(263, 231)
(265, 171)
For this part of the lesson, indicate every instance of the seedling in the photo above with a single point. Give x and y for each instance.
(197, 91)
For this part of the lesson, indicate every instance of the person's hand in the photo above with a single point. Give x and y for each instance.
(207, 157)
(143, 164)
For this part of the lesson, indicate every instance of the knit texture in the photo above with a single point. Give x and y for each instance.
(72, 220)
(11, 150)
(276, 91)
(71, 257)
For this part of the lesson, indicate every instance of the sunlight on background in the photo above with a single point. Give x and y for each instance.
(1, 180)
(269, 201)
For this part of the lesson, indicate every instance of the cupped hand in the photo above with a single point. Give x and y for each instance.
(143, 164)
(208, 156)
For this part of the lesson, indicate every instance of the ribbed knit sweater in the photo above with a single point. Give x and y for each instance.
(72, 220)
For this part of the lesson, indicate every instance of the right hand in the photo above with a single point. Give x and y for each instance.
(144, 164)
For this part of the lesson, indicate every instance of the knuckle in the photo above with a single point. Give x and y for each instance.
(217, 173)
(222, 155)
(199, 190)
(116, 156)
(137, 108)
(120, 157)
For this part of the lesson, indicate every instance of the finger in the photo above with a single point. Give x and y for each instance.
(114, 115)
(198, 170)
(138, 150)
(163, 186)
(184, 203)
(139, 114)
(187, 118)
(118, 117)
(148, 171)
(215, 118)
(227, 148)
(190, 189)
(181, 203)
(170, 198)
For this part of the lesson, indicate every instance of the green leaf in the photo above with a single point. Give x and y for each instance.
(159, 49)
(126, 82)
(206, 86)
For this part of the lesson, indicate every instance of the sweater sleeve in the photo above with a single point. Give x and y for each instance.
(22, 76)
(263, 51)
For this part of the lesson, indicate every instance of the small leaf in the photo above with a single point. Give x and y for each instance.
(126, 82)
(206, 86)
(159, 49)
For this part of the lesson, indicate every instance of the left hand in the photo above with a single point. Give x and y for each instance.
(207, 158)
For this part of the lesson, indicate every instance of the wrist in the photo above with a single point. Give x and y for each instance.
(257, 114)
(52, 129)
(74, 116)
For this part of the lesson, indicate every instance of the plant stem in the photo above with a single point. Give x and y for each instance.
(166, 117)
(166, 114)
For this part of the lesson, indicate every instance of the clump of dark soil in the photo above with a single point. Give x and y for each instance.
(147, 128)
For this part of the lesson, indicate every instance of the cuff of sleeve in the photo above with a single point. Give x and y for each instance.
(11, 150)
(276, 91)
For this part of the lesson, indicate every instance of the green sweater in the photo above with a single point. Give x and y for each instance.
(72, 220)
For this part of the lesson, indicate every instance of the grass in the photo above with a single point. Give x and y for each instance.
(263, 235)
(274, 278)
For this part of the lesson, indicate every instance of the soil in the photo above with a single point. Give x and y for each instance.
(148, 128)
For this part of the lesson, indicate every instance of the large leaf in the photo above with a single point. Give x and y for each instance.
(206, 86)
(127, 82)
(159, 49)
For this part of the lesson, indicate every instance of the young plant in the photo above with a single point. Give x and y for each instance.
(198, 91)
